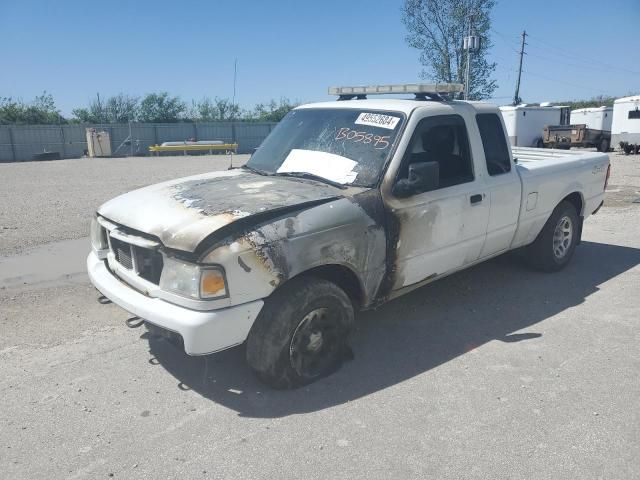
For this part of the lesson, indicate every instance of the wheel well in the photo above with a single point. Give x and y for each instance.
(343, 277)
(576, 199)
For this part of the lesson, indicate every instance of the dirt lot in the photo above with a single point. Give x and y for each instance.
(495, 372)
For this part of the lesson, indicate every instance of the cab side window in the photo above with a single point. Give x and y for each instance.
(442, 139)
(496, 151)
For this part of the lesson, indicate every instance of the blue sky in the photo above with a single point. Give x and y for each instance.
(296, 49)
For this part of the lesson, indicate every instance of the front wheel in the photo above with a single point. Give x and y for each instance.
(555, 244)
(301, 333)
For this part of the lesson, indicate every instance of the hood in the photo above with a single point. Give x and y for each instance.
(182, 213)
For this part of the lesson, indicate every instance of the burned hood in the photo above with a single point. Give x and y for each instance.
(182, 213)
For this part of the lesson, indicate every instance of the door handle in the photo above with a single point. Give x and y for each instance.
(477, 198)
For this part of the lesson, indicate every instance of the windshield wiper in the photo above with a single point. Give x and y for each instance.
(255, 170)
(311, 176)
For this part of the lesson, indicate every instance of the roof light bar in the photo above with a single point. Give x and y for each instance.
(416, 88)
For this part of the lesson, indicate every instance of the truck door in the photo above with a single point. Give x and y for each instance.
(502, 185)
(442, 229)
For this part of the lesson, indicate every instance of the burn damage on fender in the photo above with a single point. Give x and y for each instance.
(266, 230)
(249, 222)
(345, 232)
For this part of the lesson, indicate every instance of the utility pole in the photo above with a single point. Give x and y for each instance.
(516, 97)
(468, 72)
(471, 44)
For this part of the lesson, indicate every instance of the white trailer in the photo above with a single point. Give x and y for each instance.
(525, 123)
(625, 129)
(595, 118)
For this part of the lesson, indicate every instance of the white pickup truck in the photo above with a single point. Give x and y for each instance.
(344, 206)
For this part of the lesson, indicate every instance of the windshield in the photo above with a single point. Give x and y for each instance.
(346, 146)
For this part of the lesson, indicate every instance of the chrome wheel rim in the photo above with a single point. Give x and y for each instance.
(315, 344)
(562, 236)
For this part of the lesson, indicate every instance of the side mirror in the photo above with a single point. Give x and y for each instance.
(423, 177)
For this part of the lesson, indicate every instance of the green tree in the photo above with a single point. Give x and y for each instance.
(216, 110)
(270, 112)
(161, 108)
(119, 108)
(84, 115)
(598, 101)
(41, 111)
(10, 111)
(437, 28)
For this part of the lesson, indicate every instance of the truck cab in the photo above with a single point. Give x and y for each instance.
(471, 211)
(345, 205)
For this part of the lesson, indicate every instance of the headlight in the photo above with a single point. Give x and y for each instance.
(190, 280)
(98, 235)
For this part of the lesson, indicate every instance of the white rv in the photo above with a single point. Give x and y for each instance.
(525, 123)
(625, 130)
(596, 118)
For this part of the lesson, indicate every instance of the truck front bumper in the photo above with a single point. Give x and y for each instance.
(202, 332)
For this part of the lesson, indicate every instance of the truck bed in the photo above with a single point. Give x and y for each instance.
(548, 176)
(536, 159)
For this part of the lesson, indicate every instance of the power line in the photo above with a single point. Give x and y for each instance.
(528, 72)
(564, 63)
(506, 40)
(553, 49)
(563, 52)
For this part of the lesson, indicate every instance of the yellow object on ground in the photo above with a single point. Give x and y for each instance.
(226, 147)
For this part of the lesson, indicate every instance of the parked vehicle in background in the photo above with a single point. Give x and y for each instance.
(575, 135)
(525, 123)
(344, 206)
(625, 129)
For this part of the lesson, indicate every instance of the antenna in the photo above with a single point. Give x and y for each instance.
(100, 108)
(233, 111)
(235, 77)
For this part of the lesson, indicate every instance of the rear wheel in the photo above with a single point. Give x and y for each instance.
(604, 145)
(301, 333)
(553, 248)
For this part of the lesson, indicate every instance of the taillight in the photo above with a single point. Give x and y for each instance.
(606, 179)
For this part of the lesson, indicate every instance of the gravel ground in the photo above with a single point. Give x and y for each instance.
(59, 197)
(495, 372)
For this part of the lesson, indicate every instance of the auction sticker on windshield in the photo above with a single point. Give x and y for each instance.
(378, 120)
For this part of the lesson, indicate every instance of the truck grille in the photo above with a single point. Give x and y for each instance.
(123, 253)
(145, 262)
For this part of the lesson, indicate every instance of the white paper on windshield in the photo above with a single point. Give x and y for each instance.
(378, 120)
(327, 165)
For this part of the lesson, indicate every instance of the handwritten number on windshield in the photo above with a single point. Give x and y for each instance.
(379, 142)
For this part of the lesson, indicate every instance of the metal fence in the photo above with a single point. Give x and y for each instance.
(22, 142)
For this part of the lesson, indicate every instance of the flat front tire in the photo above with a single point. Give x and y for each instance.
(301, 333)
(555, 244)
